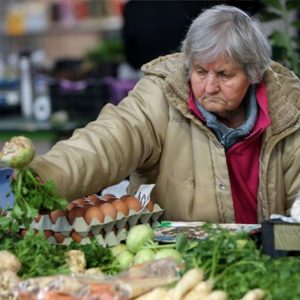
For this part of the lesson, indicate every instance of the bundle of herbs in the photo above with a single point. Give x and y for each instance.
(38, 257)
(236, 265)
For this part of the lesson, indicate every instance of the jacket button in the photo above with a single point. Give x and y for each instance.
(222, 186)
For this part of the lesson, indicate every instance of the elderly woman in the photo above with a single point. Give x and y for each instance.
(216, 128)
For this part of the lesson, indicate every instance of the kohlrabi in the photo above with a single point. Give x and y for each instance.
(164, 253)
(30, 194)
(143, 255)
(125, 259)
(137, 237)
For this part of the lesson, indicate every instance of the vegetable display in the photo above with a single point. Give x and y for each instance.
(224, 265)
(140, 247)
(236, 265)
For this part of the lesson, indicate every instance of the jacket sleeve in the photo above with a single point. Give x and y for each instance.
(123, 139)
(291, 174)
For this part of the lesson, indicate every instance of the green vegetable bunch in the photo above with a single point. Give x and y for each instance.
(30, 194)
(98, 257)
(141, 247)
(38, 257)
(236, 265)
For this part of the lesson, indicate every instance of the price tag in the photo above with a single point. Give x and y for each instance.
(143, 193)
(6, 195)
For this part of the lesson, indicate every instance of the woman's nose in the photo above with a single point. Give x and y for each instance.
(211, 84)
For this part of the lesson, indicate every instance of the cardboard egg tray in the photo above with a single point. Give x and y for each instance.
(109, 233)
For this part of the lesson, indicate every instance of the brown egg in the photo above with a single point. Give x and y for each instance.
(22, 232)
(88, 204)
(74, 213)
(105, 197)
(110, 200)
(76, 236)
(80, 201)
(109, 210)
(93, 212)
(93, 198)
(37, 218)
(59, 237)
(132, 202)
(120, 206)
(48, 233)
(150, 205)
(71, 205)
(40, 215)
(54, 215)
(99, 202)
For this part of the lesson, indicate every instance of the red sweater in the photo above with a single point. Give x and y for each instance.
(243, 161)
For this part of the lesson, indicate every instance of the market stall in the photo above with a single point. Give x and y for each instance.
(107, 247)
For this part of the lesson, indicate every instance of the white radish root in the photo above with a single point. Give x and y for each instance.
(255, 294)
(189, 280)
(217, 295)
(155, 294)
(200, 291)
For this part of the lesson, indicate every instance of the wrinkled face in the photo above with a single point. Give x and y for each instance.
(219, 86)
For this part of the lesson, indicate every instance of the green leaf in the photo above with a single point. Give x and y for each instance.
(181, 242)
(17, 211)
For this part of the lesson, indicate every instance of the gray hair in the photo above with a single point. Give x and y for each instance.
(227, 30)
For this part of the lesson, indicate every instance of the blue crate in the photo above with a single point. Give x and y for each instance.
(6, 196)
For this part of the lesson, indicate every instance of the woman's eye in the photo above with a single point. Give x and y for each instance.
(201, 72)
(225, 75)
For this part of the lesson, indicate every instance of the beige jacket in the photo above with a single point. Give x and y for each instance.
(152, 136)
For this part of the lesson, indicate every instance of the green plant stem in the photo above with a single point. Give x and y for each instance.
(237, 264)
(214, 260)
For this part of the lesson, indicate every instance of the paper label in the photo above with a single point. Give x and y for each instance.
(143, 193)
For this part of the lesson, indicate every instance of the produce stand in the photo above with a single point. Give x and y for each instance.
(225, 261)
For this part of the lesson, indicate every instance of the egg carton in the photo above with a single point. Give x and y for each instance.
(108, 233)
(105, 239)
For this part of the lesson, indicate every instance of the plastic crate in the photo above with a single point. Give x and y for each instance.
(83, 99)
(6, 195)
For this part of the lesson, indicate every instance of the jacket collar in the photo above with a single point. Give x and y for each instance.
(283, 89)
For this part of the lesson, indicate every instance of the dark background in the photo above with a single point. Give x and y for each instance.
(155, 28)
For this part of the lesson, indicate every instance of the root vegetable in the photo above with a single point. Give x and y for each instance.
(189, 280)
(155, 294)
(93, 271)
(137, 236)
(125, 259)
(255, 294)
(143, 255)
(165, 253)
(200, 291)
(9, 261)
(76, 261)
(8, 281)
(217, 295)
